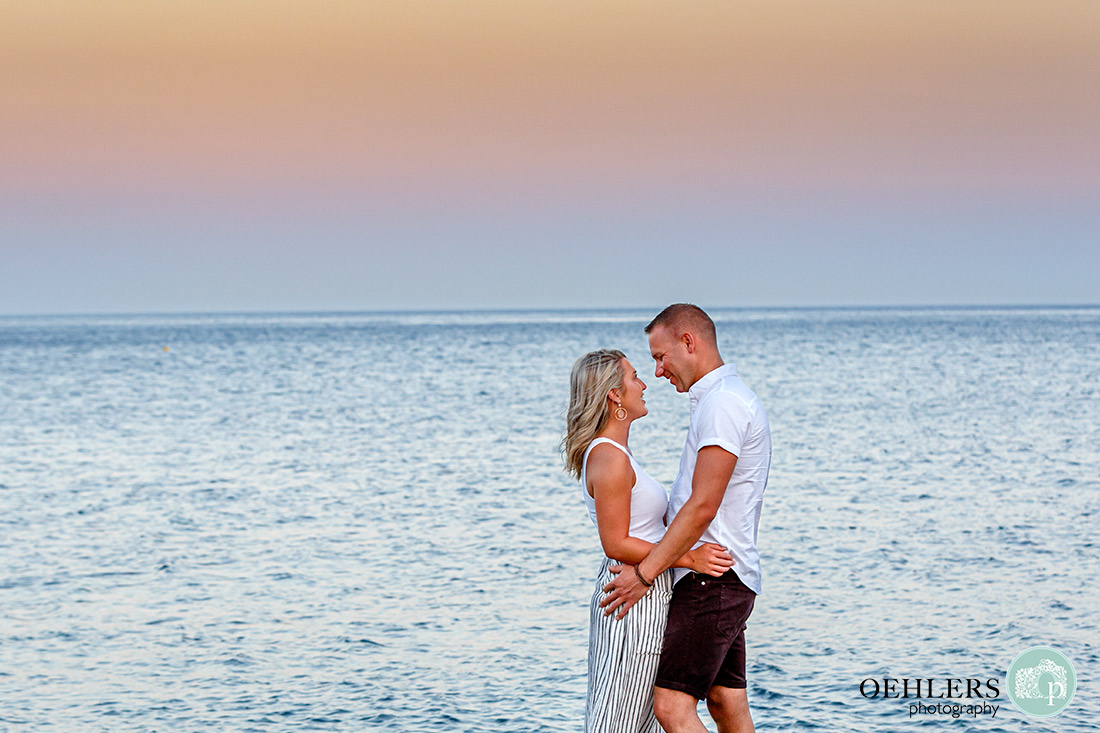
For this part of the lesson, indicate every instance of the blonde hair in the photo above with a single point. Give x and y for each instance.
(593, 376)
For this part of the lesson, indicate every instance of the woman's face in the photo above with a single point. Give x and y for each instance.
(631, 392)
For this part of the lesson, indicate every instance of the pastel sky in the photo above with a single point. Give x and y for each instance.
(193, 155)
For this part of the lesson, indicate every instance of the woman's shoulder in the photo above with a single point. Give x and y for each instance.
(608, 462)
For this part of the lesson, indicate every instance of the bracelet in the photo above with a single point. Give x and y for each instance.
(645, 582)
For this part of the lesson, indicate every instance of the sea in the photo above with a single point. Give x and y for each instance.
(360, 521)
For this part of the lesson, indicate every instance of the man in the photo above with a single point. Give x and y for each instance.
(716, 498)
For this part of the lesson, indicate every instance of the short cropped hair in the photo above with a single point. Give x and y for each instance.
(681, 317)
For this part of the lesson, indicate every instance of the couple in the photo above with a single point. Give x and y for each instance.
(670, 629)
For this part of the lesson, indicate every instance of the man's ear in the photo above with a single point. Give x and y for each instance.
(689, 342)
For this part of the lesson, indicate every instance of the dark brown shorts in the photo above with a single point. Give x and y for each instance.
(705, 637)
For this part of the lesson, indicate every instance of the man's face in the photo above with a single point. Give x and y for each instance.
(671, 358)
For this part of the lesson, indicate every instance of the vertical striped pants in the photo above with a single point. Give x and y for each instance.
(622, 659)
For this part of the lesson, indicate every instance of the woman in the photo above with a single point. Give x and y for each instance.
(628, 508)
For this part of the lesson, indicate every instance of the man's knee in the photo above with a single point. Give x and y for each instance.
(730, 701)
(671, 706)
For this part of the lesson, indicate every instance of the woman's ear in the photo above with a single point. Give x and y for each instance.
(615, 395)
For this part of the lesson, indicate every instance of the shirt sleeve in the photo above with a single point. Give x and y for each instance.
(722, 420)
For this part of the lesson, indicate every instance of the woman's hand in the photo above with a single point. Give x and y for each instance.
(710, 559)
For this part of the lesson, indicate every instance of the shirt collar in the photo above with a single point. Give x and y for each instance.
(708, 380)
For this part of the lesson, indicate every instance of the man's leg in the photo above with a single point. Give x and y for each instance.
(691, 655)
(729, 706)
(727, 699)
(676, 711)
(704, 646)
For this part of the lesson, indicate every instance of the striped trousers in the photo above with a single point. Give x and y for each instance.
(622, 659)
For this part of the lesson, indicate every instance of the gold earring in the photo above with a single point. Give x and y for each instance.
(620, 412)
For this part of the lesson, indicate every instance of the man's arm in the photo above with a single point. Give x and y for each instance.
(713, 469)
(611, 478)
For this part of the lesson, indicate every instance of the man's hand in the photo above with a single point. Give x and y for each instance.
(622, 592)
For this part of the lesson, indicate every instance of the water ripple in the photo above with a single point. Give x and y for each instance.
(357, 521)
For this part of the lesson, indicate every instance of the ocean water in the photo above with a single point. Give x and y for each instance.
(359, 522)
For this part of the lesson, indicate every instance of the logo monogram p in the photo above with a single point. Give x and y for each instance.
(1041, 681)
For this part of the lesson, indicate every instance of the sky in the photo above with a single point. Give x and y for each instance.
(239, 155)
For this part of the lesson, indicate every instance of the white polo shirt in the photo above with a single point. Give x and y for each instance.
(726, 413)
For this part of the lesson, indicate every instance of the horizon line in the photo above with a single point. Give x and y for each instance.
(552, 309)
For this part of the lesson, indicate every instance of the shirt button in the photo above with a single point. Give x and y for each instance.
(702, 582)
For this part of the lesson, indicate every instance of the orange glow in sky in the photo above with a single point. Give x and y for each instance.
(978, 97)
(348, 154)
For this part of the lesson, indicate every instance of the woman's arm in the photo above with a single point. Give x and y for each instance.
(610, 481)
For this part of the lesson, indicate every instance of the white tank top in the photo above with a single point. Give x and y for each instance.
(648, 500)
